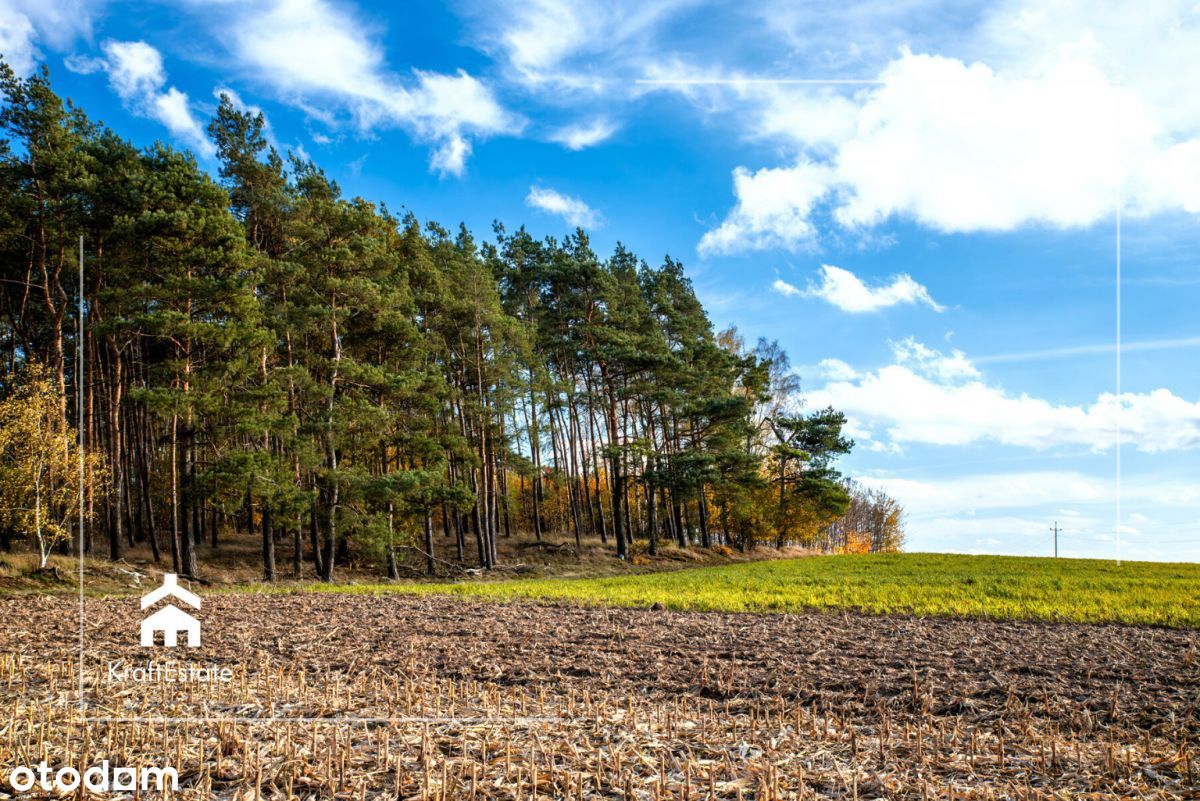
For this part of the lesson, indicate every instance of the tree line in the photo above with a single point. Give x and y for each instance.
(260, 352)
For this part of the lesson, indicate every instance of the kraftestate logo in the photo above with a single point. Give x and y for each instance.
(170, 619)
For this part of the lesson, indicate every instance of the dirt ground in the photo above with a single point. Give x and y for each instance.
(237, 562)
(441, 698)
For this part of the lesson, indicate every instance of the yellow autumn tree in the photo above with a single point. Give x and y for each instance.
(873, 523)
(39, 462)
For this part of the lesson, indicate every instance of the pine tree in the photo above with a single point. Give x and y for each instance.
(266, 353)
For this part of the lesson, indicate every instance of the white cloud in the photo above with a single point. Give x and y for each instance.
(1148, 47)
(968, 494)
(816, 116)
(171, 109)
(933, 363)
(1079, 499)
(786, 289)
(323, 59)
(26, 23)
(773, 209)
(135, 72)
(1012, 512)
(571, 209)
(1055, 117)
(856, 37)
(135, 69)
(927, 397)
(846, 291)
(450, 157)
(545, 33)
(960, 148)
(572, 46)
(810, 113)
(18, 40)
(580, 137)
(836, 370)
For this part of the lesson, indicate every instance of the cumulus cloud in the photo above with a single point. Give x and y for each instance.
(135, 69)
(323, 59)
(773, 209)
(836, 370)
(571, 209)
(135, 72)
(960, 147)
(932, 398)
(846, 291)
(925, 360)
(1054, 119)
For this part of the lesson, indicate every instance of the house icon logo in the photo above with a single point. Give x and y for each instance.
(171, 620)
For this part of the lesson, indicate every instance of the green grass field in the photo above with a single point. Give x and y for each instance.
(1079, 590)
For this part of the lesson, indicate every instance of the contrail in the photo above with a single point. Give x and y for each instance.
(1085, 350)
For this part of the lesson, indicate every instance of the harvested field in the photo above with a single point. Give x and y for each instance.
(517, 701)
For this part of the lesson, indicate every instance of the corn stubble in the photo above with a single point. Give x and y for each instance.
(432, 699)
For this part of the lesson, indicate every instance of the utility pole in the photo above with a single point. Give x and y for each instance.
(1056, 529)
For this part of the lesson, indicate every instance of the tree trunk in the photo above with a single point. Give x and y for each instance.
(176, 563)
(618, 481)
(187, 548)
(114, 432)
(429, 543)
(268, 543)
(297, 548)
(330, 530)
(331, 454)
(144, 476)
(314, 542)
(651, 521)
(677, 511)
(535, 455)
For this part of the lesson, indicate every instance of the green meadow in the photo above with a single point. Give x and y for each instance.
(1001, 587)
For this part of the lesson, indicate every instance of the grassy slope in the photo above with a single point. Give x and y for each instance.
(237, 564)
(922, 584)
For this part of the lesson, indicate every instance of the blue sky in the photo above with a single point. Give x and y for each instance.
(935, 246)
